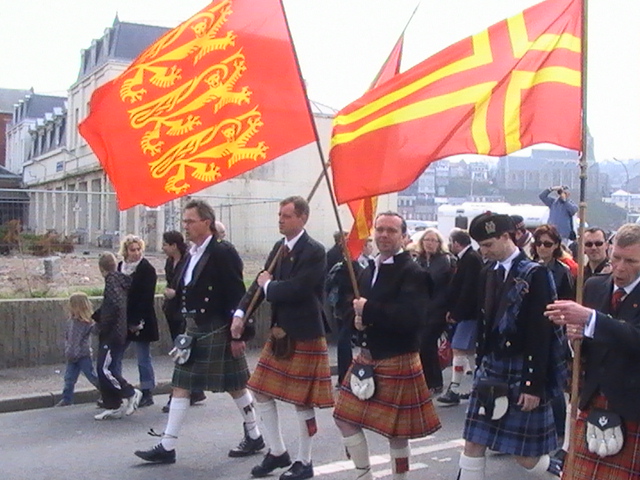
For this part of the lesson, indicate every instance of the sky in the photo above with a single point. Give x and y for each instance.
(341, 45)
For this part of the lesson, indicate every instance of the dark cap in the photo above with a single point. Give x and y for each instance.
(518, 222)
(489, 225)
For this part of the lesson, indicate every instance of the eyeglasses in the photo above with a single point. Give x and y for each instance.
(593, 244)
(545, 244)
(189, 221)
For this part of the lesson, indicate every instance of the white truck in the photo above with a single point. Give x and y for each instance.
(460, 216)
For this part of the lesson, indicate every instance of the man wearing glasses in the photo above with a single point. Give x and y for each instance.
(596, 250)
(209, 288)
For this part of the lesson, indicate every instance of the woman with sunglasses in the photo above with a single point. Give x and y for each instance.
(547, 249)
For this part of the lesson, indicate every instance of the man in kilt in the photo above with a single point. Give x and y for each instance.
(520, 360)
(609, 324)
(388, 316)
(463, 304)
(209, 288)
(294, 364)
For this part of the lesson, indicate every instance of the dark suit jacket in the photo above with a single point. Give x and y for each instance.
(534, 332)
(296, 293)
(613, 355)
(172, 307)
(216, 285)
(463, 293)
(140, 302)
(440, 271)
(394, 312)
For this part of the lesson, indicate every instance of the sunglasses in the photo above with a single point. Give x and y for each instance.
(593, 244)
(545, 244)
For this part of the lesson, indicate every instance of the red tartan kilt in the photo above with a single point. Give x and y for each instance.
(401, 406)
(304, 379)
(589, 466)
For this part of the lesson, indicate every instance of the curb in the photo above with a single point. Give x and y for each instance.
(84, 395)
(50, 399)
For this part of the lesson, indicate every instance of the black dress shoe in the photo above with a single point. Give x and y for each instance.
(449, 398)
(146, 400)
(247, 446)
(298, 471)
(270, 463)
(197, 397)
(157, 455)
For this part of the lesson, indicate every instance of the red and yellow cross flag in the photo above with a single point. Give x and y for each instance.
(211, 99)
(513, 85)
(364, 210)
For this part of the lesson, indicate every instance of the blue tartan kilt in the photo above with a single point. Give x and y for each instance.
(528, 434)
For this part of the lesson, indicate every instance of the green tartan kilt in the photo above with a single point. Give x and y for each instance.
(211, 366)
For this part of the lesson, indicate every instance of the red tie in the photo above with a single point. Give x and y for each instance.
(616, 300)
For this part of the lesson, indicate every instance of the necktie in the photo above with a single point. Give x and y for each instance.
(500, 274)
(616, 300)
(285, 251)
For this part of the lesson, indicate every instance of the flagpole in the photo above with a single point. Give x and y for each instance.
(325, 172)
(582, 210)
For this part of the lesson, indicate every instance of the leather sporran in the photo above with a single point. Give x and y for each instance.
(493, 396)
(182, 346)
(362, 381)
(604, 434)
(282, 345)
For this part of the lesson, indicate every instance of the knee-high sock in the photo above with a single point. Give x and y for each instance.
(271, 426)
(471, 361)
(472, 468)
(567, 424)
(177, 413)
(459, 364)
(307, 424)
(541, 469)
(358, 450)
(400, 461)
(248, 412)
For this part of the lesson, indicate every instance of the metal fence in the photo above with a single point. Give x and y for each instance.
(92, 217)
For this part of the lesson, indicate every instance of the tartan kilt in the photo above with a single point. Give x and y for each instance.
(401, 406)
(588, 466)
(465, 334)
(528, 434)
(304, 379)
(211, 366)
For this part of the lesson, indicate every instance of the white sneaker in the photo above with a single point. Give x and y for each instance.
(109, 414)
(132, 402)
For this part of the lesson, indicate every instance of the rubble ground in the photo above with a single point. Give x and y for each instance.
(23, 276)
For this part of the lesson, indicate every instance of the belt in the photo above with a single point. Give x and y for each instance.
(215, 324)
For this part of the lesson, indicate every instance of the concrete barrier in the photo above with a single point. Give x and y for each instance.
(32, 331)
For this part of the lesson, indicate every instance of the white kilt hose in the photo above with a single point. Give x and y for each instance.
(211, 366)
(528, 434)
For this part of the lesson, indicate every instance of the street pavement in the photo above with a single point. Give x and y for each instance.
(67, 443)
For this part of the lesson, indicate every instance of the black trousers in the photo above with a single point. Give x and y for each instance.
(113, 386)
(429, 353)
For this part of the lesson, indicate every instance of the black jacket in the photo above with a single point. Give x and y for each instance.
(463, 293)
(533, 335)
(111, 317)
(296, 293)
(140, 302)
(439, 271)
(394, 312)
(612, 356)
(216, 285)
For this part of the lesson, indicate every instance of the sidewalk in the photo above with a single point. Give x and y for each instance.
(41, 387)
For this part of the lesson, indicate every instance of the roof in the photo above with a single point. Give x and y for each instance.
(122, 41)
(9, 97)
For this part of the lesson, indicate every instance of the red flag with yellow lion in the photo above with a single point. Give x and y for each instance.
(211, 99)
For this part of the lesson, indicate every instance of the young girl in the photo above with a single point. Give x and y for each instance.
(77, 349)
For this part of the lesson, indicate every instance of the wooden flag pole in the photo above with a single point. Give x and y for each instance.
(577, 343)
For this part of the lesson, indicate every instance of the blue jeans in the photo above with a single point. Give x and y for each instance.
(145, 367)
(84, 365)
